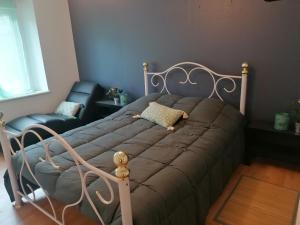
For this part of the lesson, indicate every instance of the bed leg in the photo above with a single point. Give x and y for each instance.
(7, 157)
(125, 202)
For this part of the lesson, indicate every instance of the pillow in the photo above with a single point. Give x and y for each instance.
(68, 108)
(163, 115)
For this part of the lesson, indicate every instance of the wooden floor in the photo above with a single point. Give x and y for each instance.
(258, 202)
(283, 175)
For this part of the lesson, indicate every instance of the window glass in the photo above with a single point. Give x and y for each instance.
(13, 69)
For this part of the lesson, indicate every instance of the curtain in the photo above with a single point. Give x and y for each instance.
(14, 79)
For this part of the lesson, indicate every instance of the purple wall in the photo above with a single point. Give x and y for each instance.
(114, 37)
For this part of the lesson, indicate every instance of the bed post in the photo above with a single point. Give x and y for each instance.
(145, 65)
(7, 157)
(245, 72)
(122, 172)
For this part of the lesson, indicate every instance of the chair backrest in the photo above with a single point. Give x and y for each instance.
(86, 93)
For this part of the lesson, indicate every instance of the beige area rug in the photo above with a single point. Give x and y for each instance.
(254, 202)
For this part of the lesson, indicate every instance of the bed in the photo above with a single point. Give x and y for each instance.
(175, 176)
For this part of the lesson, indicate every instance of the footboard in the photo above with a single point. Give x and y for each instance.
(121, 175)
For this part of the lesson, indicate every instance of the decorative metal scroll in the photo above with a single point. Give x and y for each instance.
(84, 170)
(161, 78)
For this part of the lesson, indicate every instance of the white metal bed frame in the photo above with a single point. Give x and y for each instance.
(216, 78)
(120, 159)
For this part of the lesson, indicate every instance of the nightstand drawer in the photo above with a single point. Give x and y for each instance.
(263, 140)
(106, 108)
(272, 138)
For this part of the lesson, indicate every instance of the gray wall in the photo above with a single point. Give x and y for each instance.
(114, 37)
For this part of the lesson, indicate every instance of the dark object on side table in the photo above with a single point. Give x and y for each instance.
(264, 141)
(85, 93)
(107, 107)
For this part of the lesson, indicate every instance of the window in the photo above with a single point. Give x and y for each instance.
(16, 79)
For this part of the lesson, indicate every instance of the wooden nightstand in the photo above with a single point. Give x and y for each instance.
(264, 141)
(107, 107)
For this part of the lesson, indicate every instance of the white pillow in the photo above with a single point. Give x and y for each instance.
(162, 115)
(67, 108)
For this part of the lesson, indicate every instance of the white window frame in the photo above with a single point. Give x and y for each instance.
(31, 48)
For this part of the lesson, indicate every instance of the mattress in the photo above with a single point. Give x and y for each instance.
(175, 176)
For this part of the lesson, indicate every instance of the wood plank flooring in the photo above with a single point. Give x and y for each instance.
(280, 174)
(277, 173)
(257, 202)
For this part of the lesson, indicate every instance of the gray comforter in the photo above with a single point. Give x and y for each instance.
(175, 175)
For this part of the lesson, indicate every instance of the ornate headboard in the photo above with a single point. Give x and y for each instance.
(216, 78)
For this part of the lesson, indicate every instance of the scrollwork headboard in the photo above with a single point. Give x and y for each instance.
(216, 78)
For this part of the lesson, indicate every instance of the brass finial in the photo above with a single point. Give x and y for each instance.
(121, 161)
(145, 65)
(245, 69)
(2, 122)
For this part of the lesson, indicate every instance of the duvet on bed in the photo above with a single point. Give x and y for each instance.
(175, 176)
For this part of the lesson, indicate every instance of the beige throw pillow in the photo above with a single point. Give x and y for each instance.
(163, 115)
(68, 108)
